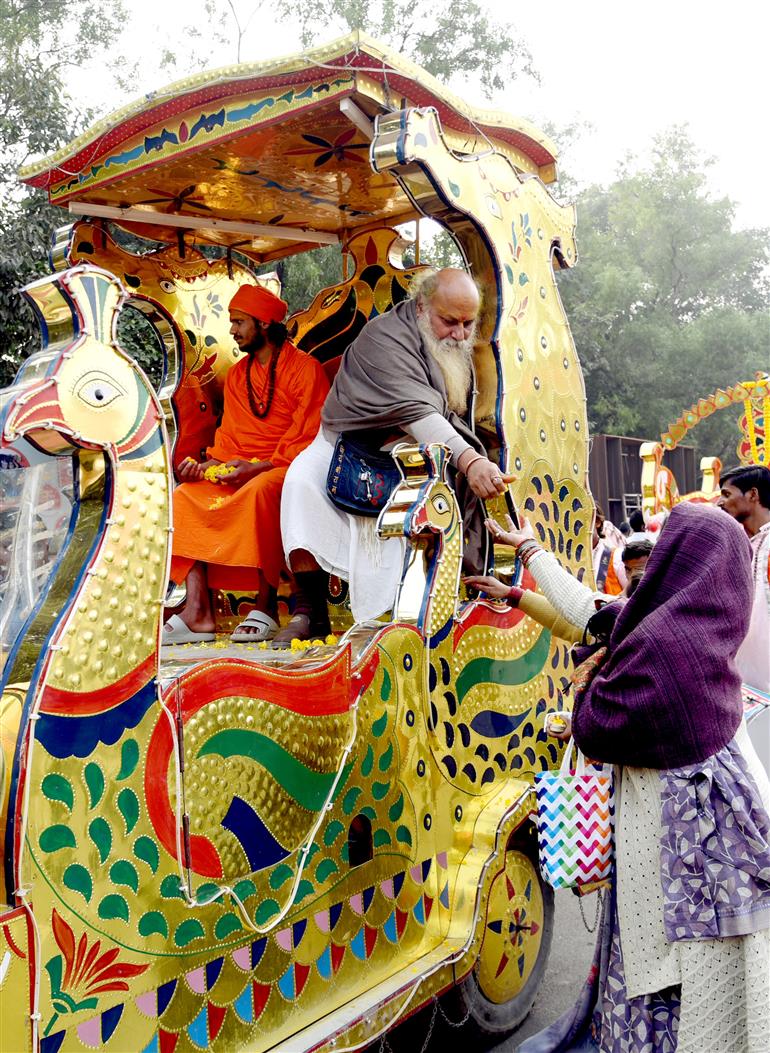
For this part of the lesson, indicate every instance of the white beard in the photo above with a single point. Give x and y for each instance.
(455, 360)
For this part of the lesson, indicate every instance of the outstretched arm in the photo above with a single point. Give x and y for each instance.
(571, 599)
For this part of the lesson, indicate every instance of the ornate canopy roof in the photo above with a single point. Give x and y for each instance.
(273, 154)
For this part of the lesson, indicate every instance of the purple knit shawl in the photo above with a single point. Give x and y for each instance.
(670, 693)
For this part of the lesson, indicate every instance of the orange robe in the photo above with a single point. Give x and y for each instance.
(237, 532)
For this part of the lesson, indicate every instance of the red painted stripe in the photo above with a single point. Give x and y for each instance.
(319, 692)
(85, 704)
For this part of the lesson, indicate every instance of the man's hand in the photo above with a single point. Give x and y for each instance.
(191, 471)
(490, 585)
(484, 477)
(243, 472)
(512, 536)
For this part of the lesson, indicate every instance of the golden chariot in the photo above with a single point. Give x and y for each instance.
(232, 848)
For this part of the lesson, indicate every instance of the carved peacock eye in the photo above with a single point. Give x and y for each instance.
(166, 285)
(98, 391)
(441, 504)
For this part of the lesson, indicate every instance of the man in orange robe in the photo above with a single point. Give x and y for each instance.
(227, 531)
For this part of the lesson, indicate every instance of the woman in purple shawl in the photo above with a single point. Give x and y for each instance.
(683, 962)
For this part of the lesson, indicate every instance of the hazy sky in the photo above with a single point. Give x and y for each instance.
(631, 69)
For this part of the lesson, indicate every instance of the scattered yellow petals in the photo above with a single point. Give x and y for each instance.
(332, 640)
(217, 503)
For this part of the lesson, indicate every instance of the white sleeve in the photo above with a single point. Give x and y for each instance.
(435, 428)
(573, 600)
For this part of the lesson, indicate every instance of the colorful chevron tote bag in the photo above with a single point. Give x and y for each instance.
(575, 821)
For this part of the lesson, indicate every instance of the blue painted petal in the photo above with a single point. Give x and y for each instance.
(389, 928)
(358, 945)
(244, 1005)
(495, 725)
(198, 1030)
(286, 984)
(324, 964)
(110, 1020)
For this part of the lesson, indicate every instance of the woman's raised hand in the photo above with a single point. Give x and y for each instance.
(513, 535)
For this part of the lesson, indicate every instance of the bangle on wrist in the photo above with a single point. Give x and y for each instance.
(476, 457)
(527, 549)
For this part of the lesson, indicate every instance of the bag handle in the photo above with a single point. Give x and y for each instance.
(565, 767)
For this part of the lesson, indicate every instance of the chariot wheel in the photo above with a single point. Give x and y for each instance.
(517, 927)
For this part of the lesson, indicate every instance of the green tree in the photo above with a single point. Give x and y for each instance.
(42, 39)
(668, 302)
(460, 38)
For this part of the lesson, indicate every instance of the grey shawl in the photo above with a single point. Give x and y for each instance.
(387, 380)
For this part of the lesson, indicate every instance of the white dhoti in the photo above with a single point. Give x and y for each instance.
(345, 545)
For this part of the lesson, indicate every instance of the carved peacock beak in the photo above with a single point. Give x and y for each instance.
(35, 414)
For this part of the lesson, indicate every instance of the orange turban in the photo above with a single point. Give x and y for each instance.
(260, 303)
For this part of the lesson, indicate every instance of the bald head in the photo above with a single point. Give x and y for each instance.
(451, 299)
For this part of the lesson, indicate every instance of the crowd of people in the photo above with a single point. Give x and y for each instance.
(678, 618)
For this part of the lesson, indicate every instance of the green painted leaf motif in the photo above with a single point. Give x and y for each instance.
(384, 762)
(395, 810)
(381, 838)
(129, 758)
(244, 889)
(454, 188)
(57, 788)
(332, 832)
(56, 837)
(380, 724)
(153, 922)
(369, 812)
(79, 880)
(523, 279)
(345, 852)
(169, 887)
(350, 798)
(227, 924)
(187, 932)
(54, 968)
(95, 782)
(265, 911)
(403, 835)
(280, 876)
(313, 851)
(305, 888)
(101, 835)
(124, 873)
(368, 762)
(509, 273)
(379, 789)
(128, 806)
(113, 907)
(387, 687)
(325, 869)
(206, 892)
(146, 850)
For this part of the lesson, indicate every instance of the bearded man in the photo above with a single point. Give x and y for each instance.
(227, 511)
(407, 376)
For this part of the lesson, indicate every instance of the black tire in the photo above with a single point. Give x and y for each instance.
(491, 1016)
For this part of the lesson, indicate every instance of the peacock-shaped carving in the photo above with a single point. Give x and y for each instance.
(222, 838)
(187, 855)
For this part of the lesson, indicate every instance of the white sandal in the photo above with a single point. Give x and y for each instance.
(265, 626)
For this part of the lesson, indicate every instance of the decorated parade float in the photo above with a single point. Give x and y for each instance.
(232, 848)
